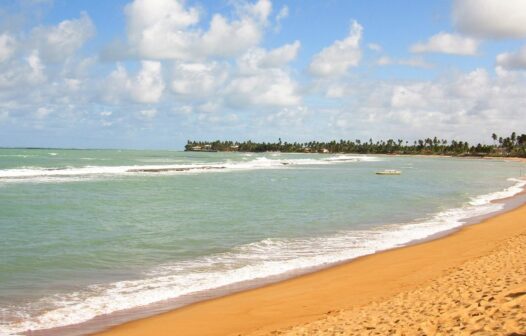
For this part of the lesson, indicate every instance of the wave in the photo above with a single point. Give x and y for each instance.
(40, 174)
(249, 262)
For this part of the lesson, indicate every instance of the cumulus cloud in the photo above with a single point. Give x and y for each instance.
(56, 43)
(447, 44)
(230, 38)
(156, 28)
(166, 29)
(258, 58)
(336, 59)
(490, 18)
(272, 87)
(29, 71)
(288, 116)
(262, 79)
(465, 105)
(146, 87)
(7, 46)
(259, 79)
(514, 60)
(198, 80)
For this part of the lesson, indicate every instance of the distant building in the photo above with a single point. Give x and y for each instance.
(196, 148)
(234, 147)
(208, 146)
(324, 150)
(306, 149)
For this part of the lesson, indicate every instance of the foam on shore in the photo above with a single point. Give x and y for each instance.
(68, 173)
(258, 260)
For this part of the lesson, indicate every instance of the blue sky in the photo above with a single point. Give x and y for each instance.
(154, 73)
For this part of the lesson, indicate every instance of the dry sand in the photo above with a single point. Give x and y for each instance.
(472, 282)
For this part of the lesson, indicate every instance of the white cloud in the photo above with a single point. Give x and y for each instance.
(156, 28)
(336, 59)
(198, 80)
(262, 79)
(283, 13)
(165, 29)
(384, 60)
(476, 83)
(7, 46)
(516, 60)
(37, 68)
(117, 84)
(335, 91)
(466, 105)
(288, 116)
(148, 114)
(269, 87)
(408, 96)
(258, 58)
(374, 47)
(416, 62)
(447, 44)
(226, 38)
(258, 79)
(42, 112)
(57, 43)
(146, 87)
(26, 72)
(106, 123)
(491, 18)
(280, 56)
(209, 107)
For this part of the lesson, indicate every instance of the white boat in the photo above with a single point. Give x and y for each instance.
(389, 172)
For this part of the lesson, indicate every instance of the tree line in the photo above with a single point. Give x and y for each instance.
(513, 145)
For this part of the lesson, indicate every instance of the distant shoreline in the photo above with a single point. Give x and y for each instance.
(513, 145)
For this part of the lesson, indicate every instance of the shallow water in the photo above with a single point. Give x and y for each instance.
(91, 232)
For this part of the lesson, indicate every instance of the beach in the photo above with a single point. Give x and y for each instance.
(470, 282)
(187, 167)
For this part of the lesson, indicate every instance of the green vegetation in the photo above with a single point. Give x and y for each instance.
(513, 145)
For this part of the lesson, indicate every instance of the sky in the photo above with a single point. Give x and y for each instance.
(156, 73)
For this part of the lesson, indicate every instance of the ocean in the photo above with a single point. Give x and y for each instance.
(91, 233)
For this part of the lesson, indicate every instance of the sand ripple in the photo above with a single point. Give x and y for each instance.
(483, 296)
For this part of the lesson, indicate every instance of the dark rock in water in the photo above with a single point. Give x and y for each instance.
(164, 170)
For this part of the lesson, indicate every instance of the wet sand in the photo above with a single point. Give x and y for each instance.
(471, 282)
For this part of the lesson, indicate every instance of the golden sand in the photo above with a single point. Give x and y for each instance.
(472, 282)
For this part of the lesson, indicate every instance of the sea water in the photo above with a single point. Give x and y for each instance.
(86, 233)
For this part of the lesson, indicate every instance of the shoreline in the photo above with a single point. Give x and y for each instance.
(291, 301)
(104, 322)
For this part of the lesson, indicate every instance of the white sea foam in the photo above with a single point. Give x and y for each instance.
(262, 259)
(40, 174)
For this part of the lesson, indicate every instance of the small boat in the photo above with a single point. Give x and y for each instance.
(389, 172)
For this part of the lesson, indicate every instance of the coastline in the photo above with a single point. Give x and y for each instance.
(443, 222)
(306, 298)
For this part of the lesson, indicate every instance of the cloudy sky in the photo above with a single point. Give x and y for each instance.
(154, 73)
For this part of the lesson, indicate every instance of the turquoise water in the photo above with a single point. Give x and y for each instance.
(90, 232)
